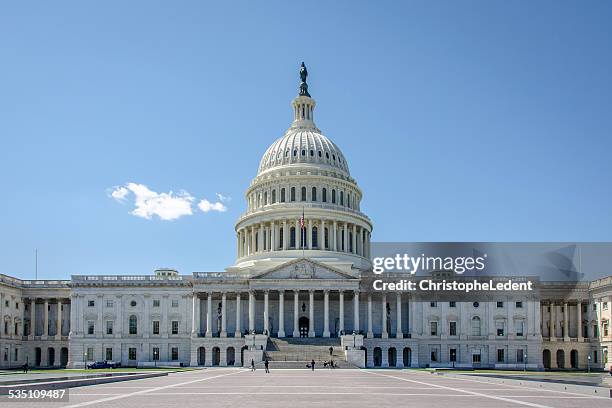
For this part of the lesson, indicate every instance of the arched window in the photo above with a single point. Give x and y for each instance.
(292, 237)
(475, 326)
(292, 193)
(350, 243)
(326, 239)
(315, 237)
(282, 200)
(133, 325)
(303, 198)
(281, 237)
(273, 196)
(324, 193)
(333, 196)
(348, 200)
(342, 198)
(314, 194)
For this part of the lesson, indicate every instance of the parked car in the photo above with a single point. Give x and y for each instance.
(103, 364)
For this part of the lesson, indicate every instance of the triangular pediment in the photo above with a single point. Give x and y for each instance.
(303, 269)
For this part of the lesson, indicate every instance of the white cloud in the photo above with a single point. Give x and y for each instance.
(120, 193)
(223, 198)
(167, 206)
(207, 206)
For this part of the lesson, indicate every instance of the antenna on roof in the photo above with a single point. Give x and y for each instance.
(36, 262)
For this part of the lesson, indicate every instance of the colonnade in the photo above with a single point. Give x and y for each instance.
(46, 322)
(282, 235)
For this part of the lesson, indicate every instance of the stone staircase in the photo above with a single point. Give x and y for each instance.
(298, 352)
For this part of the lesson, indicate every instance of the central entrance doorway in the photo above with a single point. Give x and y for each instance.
(303, 325)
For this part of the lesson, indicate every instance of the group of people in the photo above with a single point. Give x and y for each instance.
(266, 365)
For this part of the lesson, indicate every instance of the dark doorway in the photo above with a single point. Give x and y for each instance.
(216, 356)
(546, 358)
(201, 356)
(407, 356)
(574, 359)
(50, 357)
(303, 326)
(64, 356)
(37, 356)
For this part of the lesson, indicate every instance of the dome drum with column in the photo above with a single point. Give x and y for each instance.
(303, 173)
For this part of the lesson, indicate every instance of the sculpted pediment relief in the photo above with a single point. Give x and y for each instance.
(303, 269)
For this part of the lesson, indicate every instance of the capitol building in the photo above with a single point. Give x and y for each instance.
(296, 292)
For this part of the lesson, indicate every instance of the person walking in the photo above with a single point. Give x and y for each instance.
(331, 351)
(312, 364)
(252, 365)
(266, 365)
(25, 368)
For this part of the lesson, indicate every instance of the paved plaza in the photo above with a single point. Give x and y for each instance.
(302, 388)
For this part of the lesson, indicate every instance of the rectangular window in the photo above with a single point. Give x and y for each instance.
(155, 326)
(90, 327)
(175, 327)
(452, 329)
(519, 305)
(155, 353)
(91, 303)
(174, 353)
(16, 354)
(109, 303)
(434, 355)
(109, 327)
(109, 354)
(520, 356)
(500, 304)
(605, 329)
(132, 353)
(500, 327)
(452, 304)
(476, 358)
(500, 356)
(605, 305)
(433, 304)
(90, 354)
(434, 328)
(520, 326)
(155, 302)
(453, 355)
(174, 302)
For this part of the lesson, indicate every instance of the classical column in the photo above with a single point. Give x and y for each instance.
(398, 332)
(311, 332)
(335, 237)
(273, 244)
(356, 311)
(260, 240)
(565, 322)
(345, 237)
(579, 321)
(72, 329)
(341, 312)
(322, 235)
(252, 243)
(551, 330)
(354, 240)
(385, 333)
(285, 235)
(370, 334)
(209, 330)
(33, 318)
(223, 315)
(46, 318)
(119, 329)
(58, 321)
(309, 237)
(251, 312)
(298, 235)
(266, 323)
(296, 311)
(238, 245)
(195, 322)
(238, 332)
(326, 313)
(281, 313)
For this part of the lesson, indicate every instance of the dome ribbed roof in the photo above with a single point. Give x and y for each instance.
(301, 146)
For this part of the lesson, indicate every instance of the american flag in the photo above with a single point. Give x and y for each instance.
(302, 220)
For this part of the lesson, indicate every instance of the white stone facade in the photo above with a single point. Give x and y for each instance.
(294, 281)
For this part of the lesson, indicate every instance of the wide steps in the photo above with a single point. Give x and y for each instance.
(298, 352)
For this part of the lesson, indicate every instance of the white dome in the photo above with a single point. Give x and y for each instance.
(300, 146)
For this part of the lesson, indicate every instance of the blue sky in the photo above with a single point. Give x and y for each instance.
(461, 121)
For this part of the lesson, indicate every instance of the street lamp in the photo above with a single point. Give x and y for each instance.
(354, 341)
(589, 364)
(85, 359)
(253, 332)
(525, 360)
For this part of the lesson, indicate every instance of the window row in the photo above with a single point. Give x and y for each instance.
(476, 327)
(294, 194)
(132, 326)
(518, 305)
(133, 303)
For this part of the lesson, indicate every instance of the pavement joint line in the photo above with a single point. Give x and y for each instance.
(148, 390)
(524, 387)
(529, 404)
